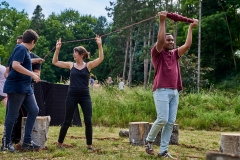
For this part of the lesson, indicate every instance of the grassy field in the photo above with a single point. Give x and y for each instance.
(201, 118)
(108, 145)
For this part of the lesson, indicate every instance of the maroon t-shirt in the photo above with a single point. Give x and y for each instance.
(167, 71)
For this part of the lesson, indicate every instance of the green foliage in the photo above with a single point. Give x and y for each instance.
(3, 54)
(189, 70)
(2, 113)
(112, 107)
(237, 110)
(37, 21)
(231, 83)
(217, 59)
(215, 110)
(12, 24)
(209, 110)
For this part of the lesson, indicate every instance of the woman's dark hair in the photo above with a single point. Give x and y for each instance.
(30, 35)
(81, 50)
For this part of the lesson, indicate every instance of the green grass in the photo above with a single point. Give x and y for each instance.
(216, 110)
(201, 118)
(110, 146)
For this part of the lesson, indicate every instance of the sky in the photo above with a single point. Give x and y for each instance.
(85, 7)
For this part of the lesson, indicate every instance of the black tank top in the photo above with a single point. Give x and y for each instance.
(79, 79)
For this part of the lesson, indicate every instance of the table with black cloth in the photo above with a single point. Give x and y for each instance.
(51, 98)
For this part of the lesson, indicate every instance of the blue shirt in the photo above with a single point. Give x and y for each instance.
(17, 82)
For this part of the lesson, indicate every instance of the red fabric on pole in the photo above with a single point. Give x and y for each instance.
(176, 17)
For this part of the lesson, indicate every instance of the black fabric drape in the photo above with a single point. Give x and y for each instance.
(51, 101)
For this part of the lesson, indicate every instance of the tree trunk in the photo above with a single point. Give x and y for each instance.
(221, 156)
(40, 130)
(138, 132)
(124, 133)
(125, 60)
(150, 64)
(145, 62)
(230, 36)
(173, 139)
(230, 143)
(130, 58)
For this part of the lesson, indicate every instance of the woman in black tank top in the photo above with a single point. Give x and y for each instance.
(78, 91)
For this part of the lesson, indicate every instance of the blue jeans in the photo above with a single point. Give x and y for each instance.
(166, 102)
(15, 100)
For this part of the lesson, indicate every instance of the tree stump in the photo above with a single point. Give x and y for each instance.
(230, 143)
(40, 130)
(173, 139)
(138, 132)
(221, 156)
(124, 133)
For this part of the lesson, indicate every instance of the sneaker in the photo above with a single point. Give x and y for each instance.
(8, 147)
(91, 149)
(30, 146)
(165, 154)
(149, 147)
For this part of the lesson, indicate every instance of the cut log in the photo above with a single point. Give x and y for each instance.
(230, 143)
(221, 156)
(124, 133)
(138, 132)
(40, 130)
(173, 139)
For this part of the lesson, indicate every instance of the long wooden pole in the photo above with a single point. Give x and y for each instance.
(199, 45)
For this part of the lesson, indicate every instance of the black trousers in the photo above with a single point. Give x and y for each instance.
(72, 101)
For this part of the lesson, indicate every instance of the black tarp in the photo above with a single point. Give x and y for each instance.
(51, 102)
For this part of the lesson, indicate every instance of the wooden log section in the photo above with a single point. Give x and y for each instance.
(40, 130)
(221, 156)
(173, 139)
(230, 143)
(138, 132)
(124, 133)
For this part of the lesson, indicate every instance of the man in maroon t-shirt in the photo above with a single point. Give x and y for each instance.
(167, 83)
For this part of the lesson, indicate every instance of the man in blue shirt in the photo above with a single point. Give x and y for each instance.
(19, 91)
(36, 67)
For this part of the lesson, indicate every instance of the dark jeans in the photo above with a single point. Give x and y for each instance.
(72, 101)
(15, 100)
(17, 129)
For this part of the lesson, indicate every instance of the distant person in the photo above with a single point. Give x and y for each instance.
(167, 83)
(96, 84)
(3, 96)
(91, 81)
(19, 91)
(109, 81)
(19, 39)
(121, 84)
(78, 91)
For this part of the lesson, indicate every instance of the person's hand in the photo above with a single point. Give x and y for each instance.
(37, 60)
(195, 23)
(35, 77)
(59, 43)
(162, 15)
(37, 73)
(98, 39)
